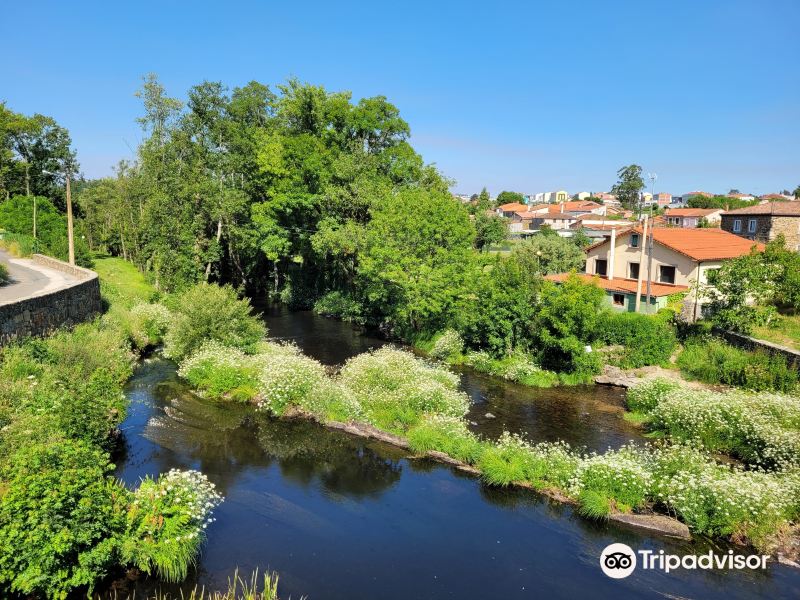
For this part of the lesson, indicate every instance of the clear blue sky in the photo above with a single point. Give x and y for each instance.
(529, 96)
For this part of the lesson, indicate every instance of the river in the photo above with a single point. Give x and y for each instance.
(343, 518)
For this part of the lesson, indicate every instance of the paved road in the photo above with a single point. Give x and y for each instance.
(29, 278)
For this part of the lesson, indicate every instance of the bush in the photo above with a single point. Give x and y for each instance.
(395, 389)
(166, 521)
(148, 324)
(762, 429)
(620, 477)
(286, 377)
(714, 361)
(447, 345)
(648, 340)
(340, 305)
(210, 312)
(645, 396)
(4, 276)
(221, 372)
(58, 518)
(518, 367)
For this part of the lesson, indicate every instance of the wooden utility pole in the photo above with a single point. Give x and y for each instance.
(70, 237)
(642, 243)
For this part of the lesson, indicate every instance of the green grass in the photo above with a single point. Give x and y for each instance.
(123, 280)
(785, 331)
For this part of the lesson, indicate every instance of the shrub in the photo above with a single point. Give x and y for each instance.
(210, 312)
(4, 276)
(395, 389)
(87, 348)
(618, 476)
(447, 345)
(646, 395)
(148, 324)
(340, 305)
(58, 518)
(221, 371)
(648, 340)
(713, 361)
(286, 377)
(518, 367)
(166, 521)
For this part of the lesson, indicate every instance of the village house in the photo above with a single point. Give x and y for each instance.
(680, 259)
(508, 210)
(764, 222)
(662, 199)
(691, 217)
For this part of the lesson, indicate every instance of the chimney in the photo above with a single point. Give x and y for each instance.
(611, 253)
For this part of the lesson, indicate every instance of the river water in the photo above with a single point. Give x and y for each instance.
(342, 518)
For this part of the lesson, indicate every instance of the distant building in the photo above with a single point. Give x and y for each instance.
(684, 199)
(691, 217)
(764, 222)
(606, 198)
(663, 199)
(775, 197)
(745, 197)
(550, 197)
(582, 196)
(508, 210)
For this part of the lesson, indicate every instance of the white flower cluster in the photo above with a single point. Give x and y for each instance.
(448, 344)
(213, 354)
(389, 378)
(761, 428)
(620, 474)
(149, 323)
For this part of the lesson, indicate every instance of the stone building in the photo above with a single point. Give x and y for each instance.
(764, 222)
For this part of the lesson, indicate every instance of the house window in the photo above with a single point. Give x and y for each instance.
(737, 225)
(619, 299)
(666, 274)
(633, 270)
(751, 226)
(634, 240)
(601, 266)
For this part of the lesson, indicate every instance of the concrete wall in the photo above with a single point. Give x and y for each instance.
(39, 315)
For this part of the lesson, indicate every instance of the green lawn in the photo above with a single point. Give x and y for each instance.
(124, 278)
(786, 332)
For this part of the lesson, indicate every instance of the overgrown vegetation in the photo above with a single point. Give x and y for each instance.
(65, 522)
(4, 276)
(714, 361)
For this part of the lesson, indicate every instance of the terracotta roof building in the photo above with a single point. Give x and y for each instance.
(765, 222)
(691, 217)
(680, 258)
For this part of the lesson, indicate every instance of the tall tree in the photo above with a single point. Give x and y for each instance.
(629, 185)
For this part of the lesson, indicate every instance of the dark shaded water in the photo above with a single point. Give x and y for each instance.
(342, 518)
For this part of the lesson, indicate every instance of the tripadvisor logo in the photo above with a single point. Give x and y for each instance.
(619, 560)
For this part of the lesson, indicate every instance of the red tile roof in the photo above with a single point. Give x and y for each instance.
(778, 209)
(577, 205)
(513, 207)
(623, 285)
(698, 244)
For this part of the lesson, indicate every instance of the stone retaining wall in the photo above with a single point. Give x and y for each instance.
(41, 314)
(747, 343)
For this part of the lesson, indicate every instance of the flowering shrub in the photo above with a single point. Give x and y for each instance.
(647, 394)
(395, 388)
(619, 476)
(448, 344)
(221, 371)
(761, 429)
(166, 522)
(148, 324)
(287, 377)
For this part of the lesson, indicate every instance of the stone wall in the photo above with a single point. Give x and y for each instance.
(39, 315)
(747, 343)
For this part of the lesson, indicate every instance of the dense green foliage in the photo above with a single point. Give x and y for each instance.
(4, 276)
(747, 291)
(16, 217)
(209, 312)
(645, 340)
(723, 202)
(714, 361)
(629, 185)
(65, 522)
